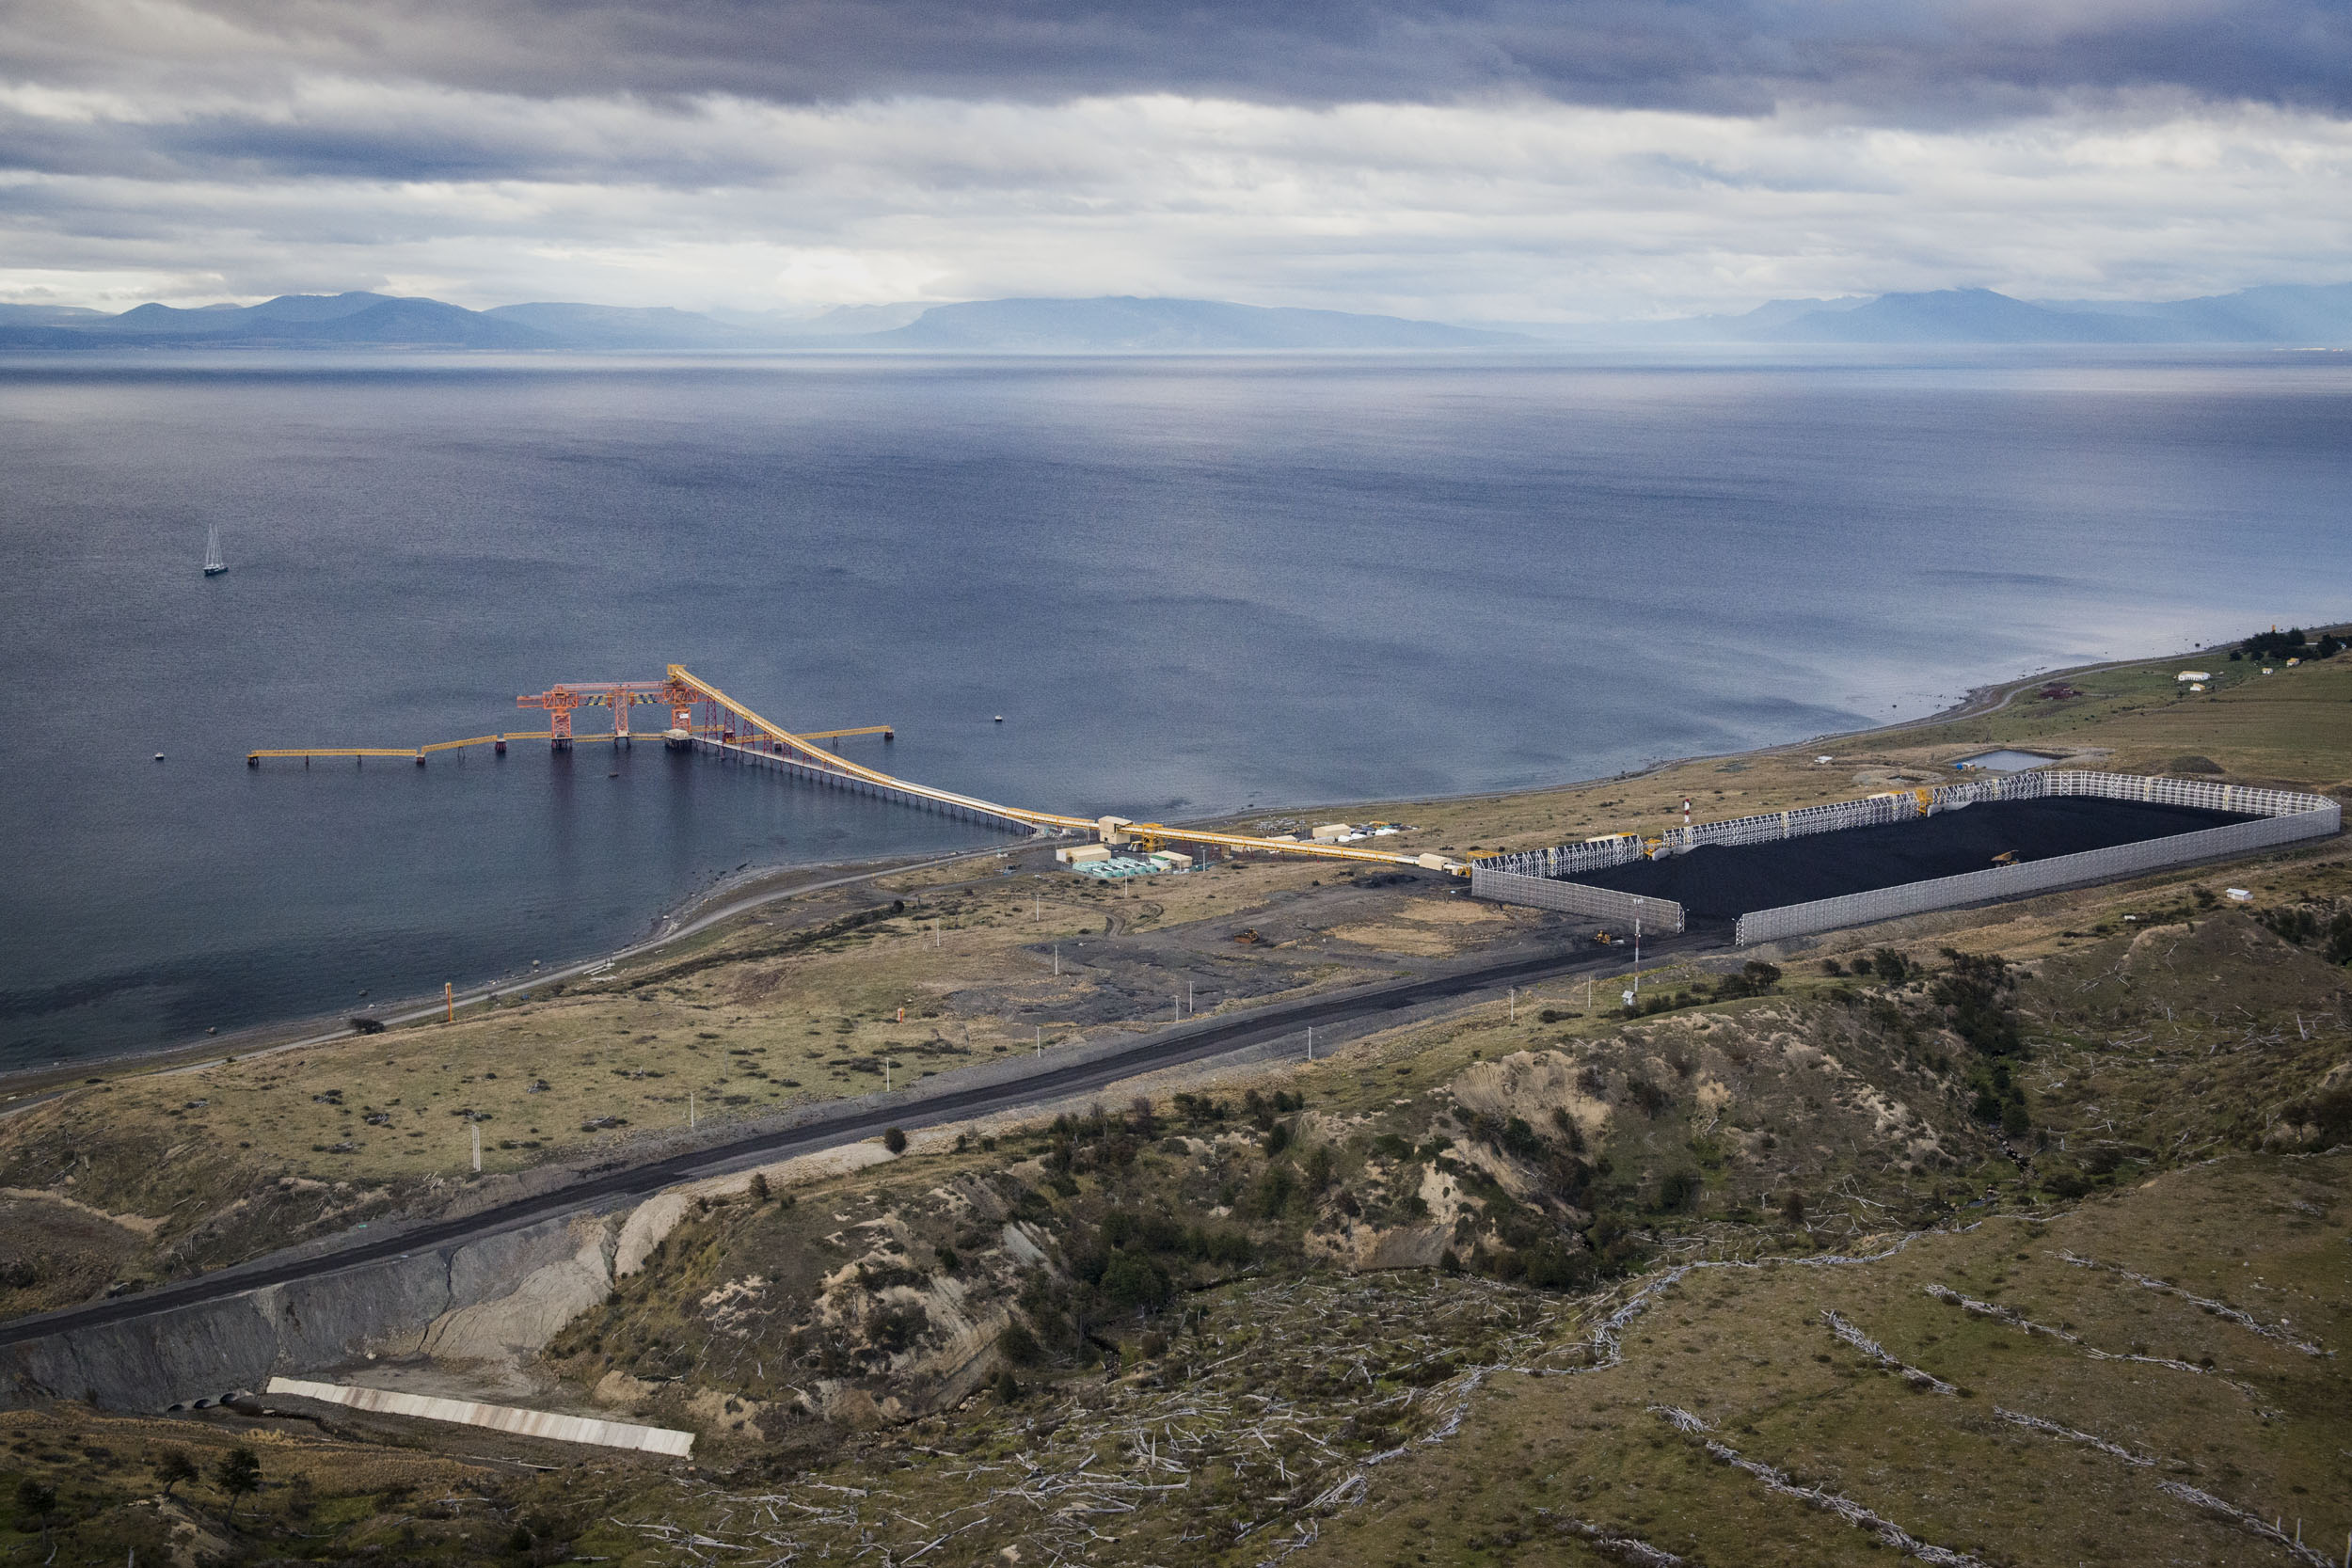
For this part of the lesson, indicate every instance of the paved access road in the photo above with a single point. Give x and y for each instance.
(1049, 1081)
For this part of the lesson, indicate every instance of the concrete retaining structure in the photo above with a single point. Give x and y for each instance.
(1536, 877)
(499, 1418)
(206, 1350)
(2019, 881)
(1600, 903)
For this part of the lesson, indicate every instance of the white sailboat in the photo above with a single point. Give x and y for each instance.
(214, 564)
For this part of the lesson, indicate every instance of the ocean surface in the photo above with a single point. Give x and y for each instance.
(1189, 585)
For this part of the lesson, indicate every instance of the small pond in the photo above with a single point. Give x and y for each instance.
(2005, 762)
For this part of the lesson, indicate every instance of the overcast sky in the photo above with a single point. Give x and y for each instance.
(1468, 160)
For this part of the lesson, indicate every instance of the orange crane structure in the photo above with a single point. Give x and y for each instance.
(703, 718)
(562, 700)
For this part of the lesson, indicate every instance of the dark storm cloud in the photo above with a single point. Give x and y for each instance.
(1938, 59)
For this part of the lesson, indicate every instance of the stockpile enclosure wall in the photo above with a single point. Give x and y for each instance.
(2302, 816)
(1540, 877)
(1600, 903)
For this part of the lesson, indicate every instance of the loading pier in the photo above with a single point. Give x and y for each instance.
(704, 718)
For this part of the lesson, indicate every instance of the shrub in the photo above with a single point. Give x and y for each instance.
(1550, 1266)
(1230, 1247)
(1647, 1095)
(895, 1141)
(1971, 988)
(1131, 1280)
(1274, 1188)
(1566, 1127)
(2290, 643)
(1160, 1233)
(2068, 1184)
(1017, 1345)
(1680, 1190)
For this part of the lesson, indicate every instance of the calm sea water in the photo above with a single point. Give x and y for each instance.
(1189, 586)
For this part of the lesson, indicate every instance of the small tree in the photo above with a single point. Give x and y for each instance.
(173, 1467)
(35, 1504)
(238, 1474)
(895, 1141)
(759, 1186)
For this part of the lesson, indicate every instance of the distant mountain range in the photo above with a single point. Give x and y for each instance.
(988, 327)
(2317, 315)
(2302, 315)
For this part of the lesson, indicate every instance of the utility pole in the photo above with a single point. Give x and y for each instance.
(449, 999)
(1637, 952)
(1058, 957)
(1311, 1043)
(690, 1109)
(1040, 1042)
(475, 1127)
(1514, 1004)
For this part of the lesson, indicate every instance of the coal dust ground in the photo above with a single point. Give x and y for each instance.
(1723, 882)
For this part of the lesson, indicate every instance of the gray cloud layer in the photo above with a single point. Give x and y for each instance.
(1491, 159)
(1937, 59)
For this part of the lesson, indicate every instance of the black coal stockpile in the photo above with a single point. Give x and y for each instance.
(1720, 882)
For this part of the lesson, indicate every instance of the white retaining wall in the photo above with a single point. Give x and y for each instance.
(501, 1417)
(2032, 876)
(1600, 903)
(1536, 877)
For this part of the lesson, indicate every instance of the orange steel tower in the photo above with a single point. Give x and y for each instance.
(620, 696)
